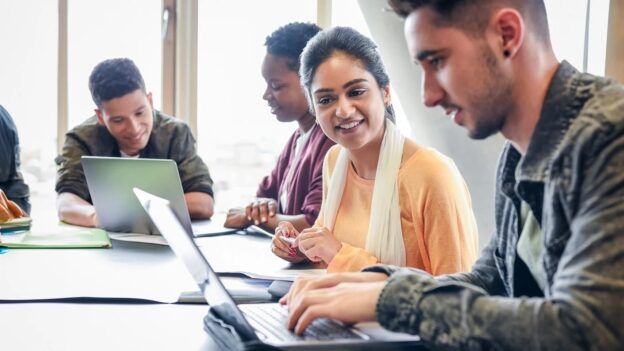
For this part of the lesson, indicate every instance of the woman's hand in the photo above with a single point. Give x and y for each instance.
(283, 244)
(259, 210)
(318, 244)
(237, 218)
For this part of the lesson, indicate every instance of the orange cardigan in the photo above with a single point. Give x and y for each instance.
(439, 228)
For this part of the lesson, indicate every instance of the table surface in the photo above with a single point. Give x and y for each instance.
(128, 269)
(71, 326)
(109, 324)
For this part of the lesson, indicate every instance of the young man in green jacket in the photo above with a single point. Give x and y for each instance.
(126, 125)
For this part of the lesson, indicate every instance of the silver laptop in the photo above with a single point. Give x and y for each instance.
(111, 180)
(256, 324)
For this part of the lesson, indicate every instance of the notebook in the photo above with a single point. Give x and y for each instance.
(253, 325)
(110, 181)
(70, 238)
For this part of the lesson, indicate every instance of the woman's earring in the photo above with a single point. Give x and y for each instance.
(506, 53)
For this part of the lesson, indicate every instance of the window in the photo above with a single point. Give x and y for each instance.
(28, 67)
(566, 21)
(237, 135)
(99, 30)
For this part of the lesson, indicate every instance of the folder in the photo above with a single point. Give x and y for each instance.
(66, 238)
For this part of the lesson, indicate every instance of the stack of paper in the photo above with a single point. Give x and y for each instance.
(16, 224)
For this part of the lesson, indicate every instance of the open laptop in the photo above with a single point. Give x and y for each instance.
(252, 325)
(111, 180)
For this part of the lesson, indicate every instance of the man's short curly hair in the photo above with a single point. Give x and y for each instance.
(472, 16)
(114, 78)
(288, 41)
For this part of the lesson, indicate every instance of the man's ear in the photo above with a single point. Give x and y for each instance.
(100, 117)
(509, 28)
(151, 101)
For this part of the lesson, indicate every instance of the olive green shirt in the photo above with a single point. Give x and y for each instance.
(170, 139)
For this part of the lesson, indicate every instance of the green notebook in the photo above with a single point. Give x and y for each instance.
(74, 238)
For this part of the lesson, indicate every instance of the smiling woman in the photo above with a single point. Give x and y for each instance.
(385, 198)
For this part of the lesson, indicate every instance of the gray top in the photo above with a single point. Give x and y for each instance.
(170, 139)
(572, 177)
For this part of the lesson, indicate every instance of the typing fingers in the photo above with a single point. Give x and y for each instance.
(309, 315)
(297, 287)
(304, 284)
(299, 305)
(346, 302)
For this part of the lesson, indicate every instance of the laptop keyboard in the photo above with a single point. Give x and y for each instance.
(270, 320)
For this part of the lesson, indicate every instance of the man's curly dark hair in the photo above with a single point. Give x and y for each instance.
(114, 78)
(288, 41)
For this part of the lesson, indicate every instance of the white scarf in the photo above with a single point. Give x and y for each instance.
(385, 237)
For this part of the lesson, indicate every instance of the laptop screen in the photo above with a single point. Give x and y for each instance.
(185, 248)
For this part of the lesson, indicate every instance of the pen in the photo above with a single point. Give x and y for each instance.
(285, 239)
(257, 229)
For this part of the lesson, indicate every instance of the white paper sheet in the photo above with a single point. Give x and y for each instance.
(251, 256)
(102, 273)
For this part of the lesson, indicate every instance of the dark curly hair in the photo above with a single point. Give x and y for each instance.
(288, 41)
(114, 78)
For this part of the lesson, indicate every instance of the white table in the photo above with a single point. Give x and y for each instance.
(127, 270)
(69, 326)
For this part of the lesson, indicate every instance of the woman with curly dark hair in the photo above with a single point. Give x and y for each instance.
(293, 190)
